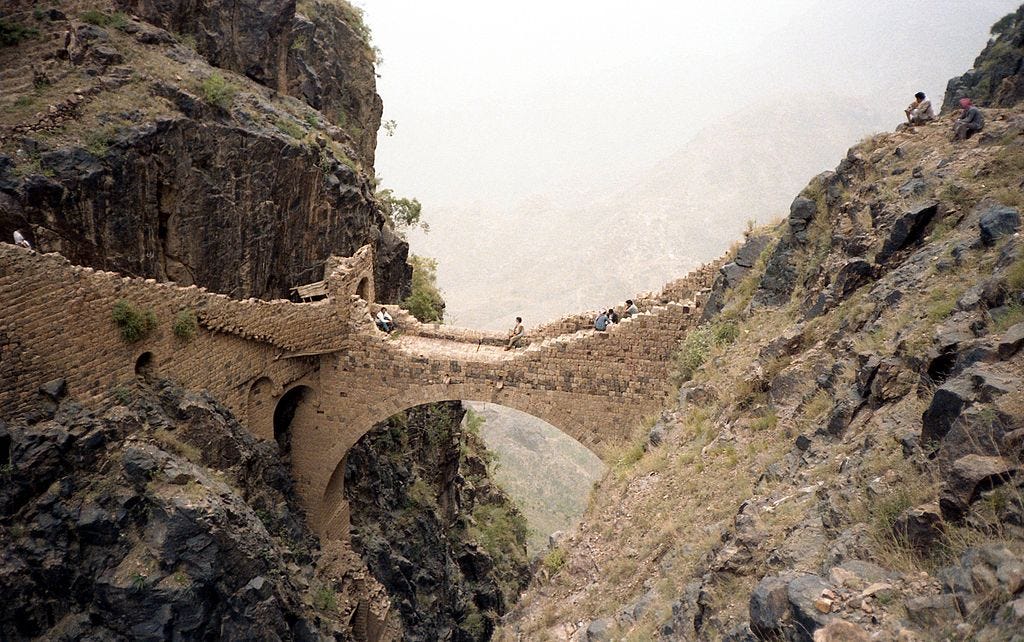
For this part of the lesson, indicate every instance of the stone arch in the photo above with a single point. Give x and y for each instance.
(145, 366)
(326, 485)
(293, 406)
(365, 289)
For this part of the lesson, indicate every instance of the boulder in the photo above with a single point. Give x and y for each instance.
(801, 211)
(977, 383)
(779, 279)
(1011, 342)
(913, 188)
(54, 389)
(751, 251)
(932, 612)
(968, 477)
(854, 274)
(996, 222)
(920, 527)
(769, 608)
(907, 230)
(805, 593)
(599, 631)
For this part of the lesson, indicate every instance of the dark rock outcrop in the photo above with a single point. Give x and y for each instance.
(441, 538)
(132, 524)
(997, 78)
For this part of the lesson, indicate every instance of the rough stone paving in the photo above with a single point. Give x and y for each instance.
(596, 386)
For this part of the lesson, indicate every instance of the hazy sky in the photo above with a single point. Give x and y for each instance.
(497, 102)
(517, 118)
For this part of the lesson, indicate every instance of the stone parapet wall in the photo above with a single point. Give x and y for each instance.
(57, 322)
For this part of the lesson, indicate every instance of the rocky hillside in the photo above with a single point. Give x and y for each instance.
(228, 145)
(158, 518)
(845, 458)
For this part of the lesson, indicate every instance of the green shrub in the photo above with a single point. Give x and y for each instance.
(554, 560)
(698, 343)
(218, 91)
(405, 212)
(135, 324)
(122, 394)
(185, 325)
(325, 599)
(425, 302)
(12, 34)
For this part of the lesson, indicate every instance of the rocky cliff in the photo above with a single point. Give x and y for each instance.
(229, 145)
(997, 78)
(845, 458)
(158, 517)
(446, 543)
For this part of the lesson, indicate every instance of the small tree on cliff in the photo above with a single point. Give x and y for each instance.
(404, 212)
(425, 303)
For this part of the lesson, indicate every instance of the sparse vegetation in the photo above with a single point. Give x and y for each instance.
(555, 560)
(134, 324)
(217, 91)
(405, 212)
(290, 127)
(698, 344)
(325, 599)
(116, 20)
(13, 33)
(185, 325)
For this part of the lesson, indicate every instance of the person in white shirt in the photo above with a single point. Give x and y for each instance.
(19, 239)
(383, 321)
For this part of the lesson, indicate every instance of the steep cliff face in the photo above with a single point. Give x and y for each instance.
(160, 518)
(128, 146)
(997, 79)
(446, 543)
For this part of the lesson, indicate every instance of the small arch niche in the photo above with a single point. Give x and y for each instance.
(363, 289)
(284, 415)
(145, 367)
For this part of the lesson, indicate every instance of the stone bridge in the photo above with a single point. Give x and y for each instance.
(318, 376)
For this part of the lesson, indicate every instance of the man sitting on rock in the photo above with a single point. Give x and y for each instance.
(970, 122)
(631, 309)
(601, 322)
(515, 334)
(920, 111)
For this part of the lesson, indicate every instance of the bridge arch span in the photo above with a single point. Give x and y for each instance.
(326, 488)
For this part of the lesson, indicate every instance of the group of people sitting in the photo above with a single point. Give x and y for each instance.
(605, 319)
(969, 122)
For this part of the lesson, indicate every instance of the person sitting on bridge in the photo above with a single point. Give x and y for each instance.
(20, 240)
(970, 122)
(384, 321)
(601, 322)
(631, 309)
(515, 334)
(613, 316)
(920, 111)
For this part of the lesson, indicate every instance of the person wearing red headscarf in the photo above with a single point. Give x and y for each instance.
(970, 122)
